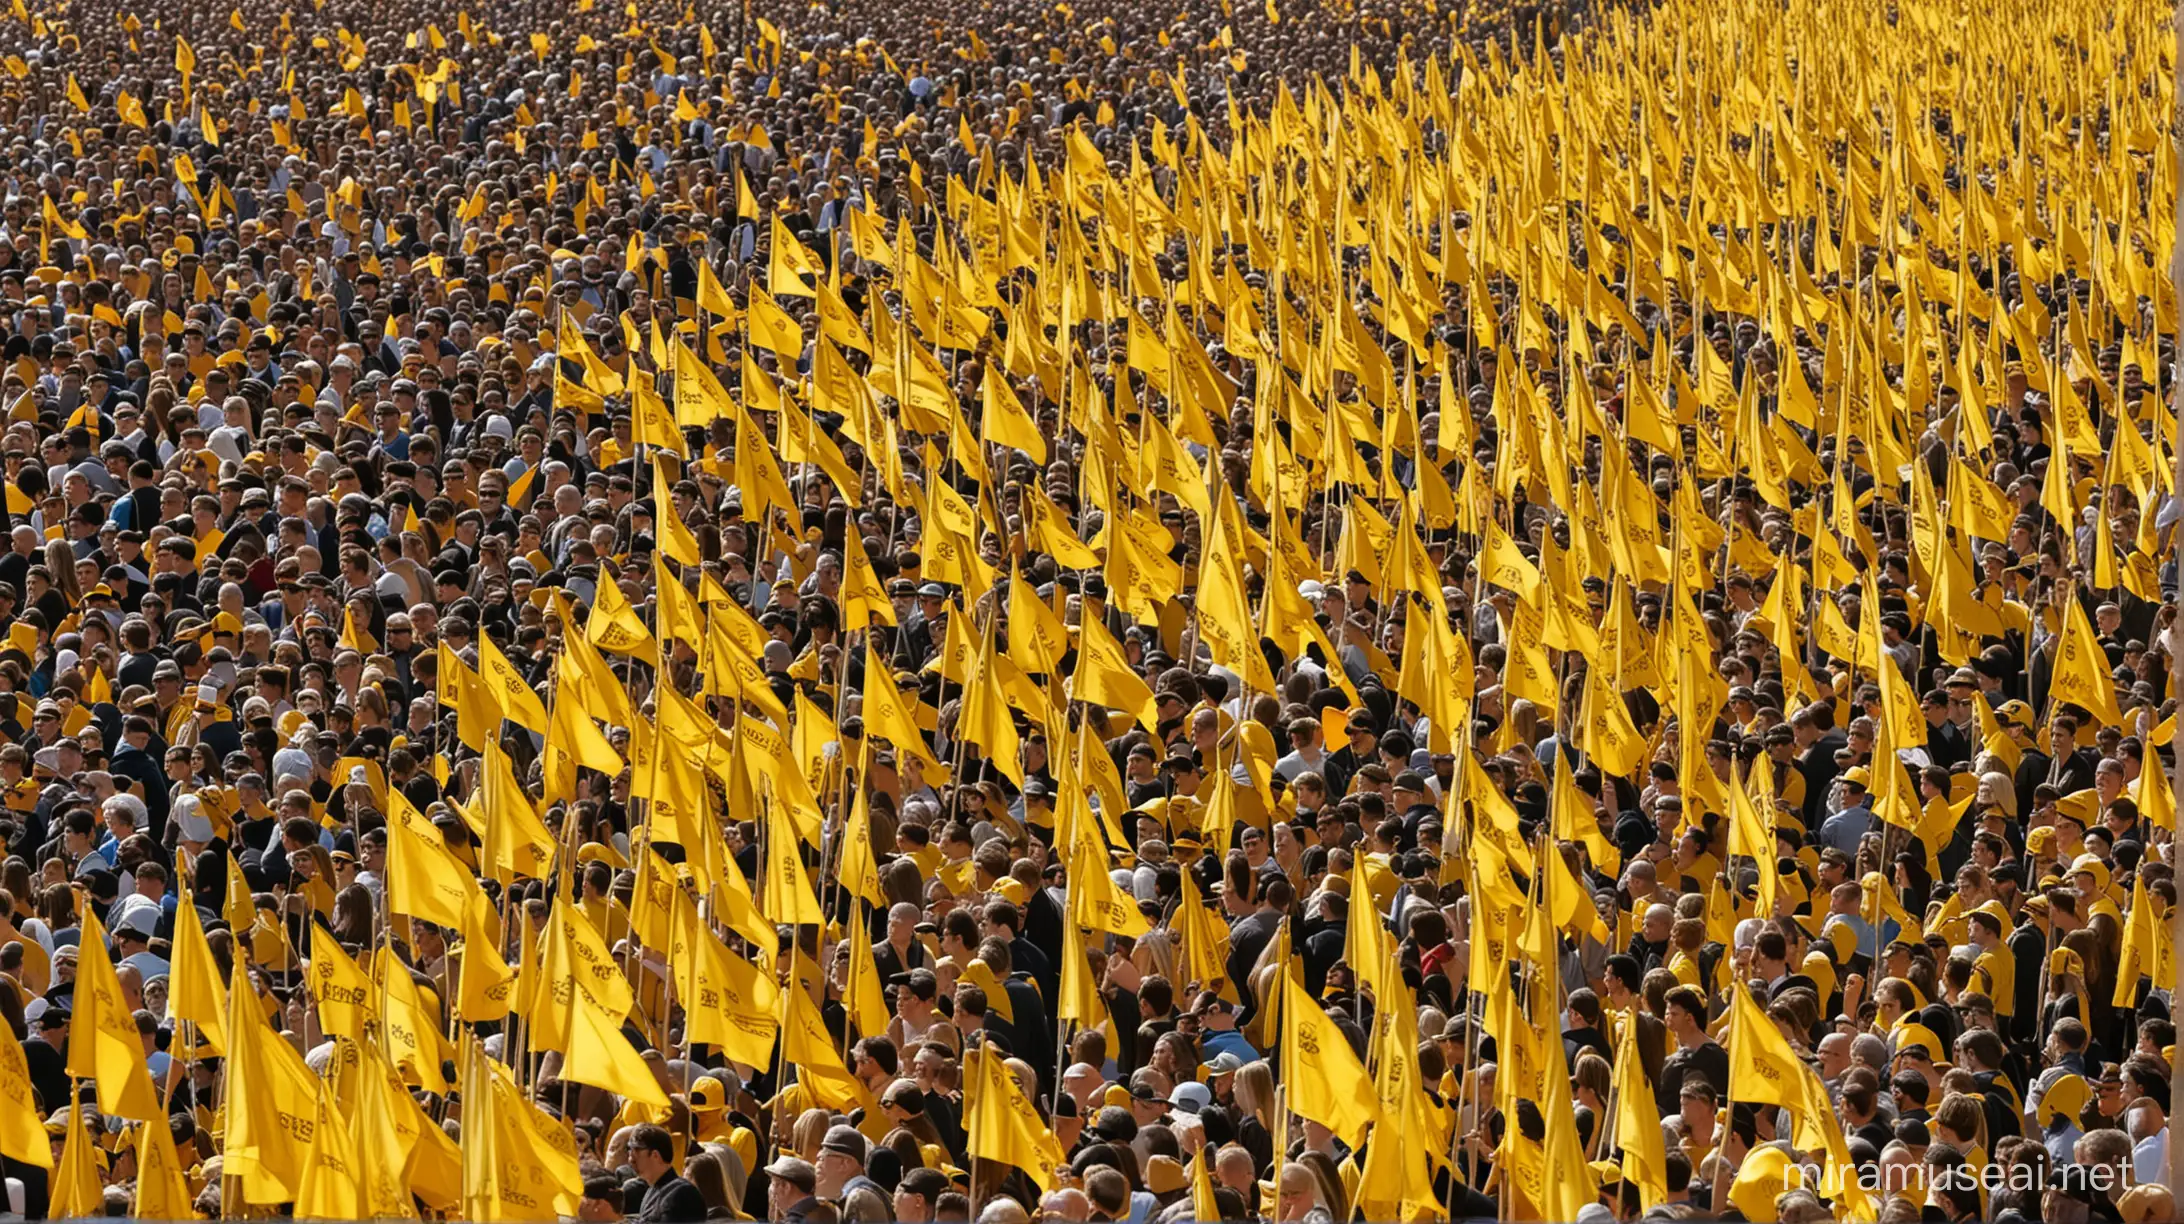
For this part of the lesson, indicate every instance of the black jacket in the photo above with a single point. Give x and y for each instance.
(1247, 939)
(672, 1200)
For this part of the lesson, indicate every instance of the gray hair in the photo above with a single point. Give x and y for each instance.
(139, 816)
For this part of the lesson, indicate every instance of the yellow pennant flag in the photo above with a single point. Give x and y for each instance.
(1638, 1127)
(2139, 938)
(2081, 668)
(1327, 1083)
(411, 1031)
(788, 896)
(163, 1187)
(195, 992)
(508, 689)
(333, 1178)
(573, 740)
(75, 1193)
(272, 1101)
(1104, 676)
(22, 1132)
(730, 1001)
(1001, 1122)
(343, 992)
(104, 1044)
(424, 878)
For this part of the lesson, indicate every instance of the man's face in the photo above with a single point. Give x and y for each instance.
(835, 1168)
(912, 1208)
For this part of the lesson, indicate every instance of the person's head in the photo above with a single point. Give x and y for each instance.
(841, 1156)
(917, 1195)
(652, 1152)
(790, 1180)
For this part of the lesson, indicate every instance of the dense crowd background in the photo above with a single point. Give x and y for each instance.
(1279, 610)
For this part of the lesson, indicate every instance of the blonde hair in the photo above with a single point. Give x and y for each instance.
(1255, 1092)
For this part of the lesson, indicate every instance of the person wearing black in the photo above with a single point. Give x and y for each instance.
(670, 1199)
(1817, 762)
(1697, 1056)
(1253, 932)
(47, 1057)
(1584, 1032)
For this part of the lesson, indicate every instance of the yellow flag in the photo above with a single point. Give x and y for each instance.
(806, 1042)
(412, 1032)
(354, 636)
(1001, 1122)
(75, 1194)
(1638, 1126)
(517, 1162)
(424, 878)
(788, 896)
(342, 991)
(1003, 420)
(573, 972)
(600, 1055)
(2139, 937)
(104, 1044)
(862, 596)
(1104, 676)
(333, 1177)
(730, 1001)
(195, 991)
(163, 1188)
(789, 263)
(1204, 1206)
(22, 1133)
(572, 740)
(487, 980)
(674, 536)
(272, 1101)
(508, 689)
(1327, 1083)
(2081, 668)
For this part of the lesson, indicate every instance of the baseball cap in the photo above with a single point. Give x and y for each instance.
(708, 1095)
(1190, 1096)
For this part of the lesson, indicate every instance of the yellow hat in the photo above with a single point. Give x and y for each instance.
(2090, 865)
(2040, 843)
(289, 722)
(744, 1141)
(708, 1095)
(1916, 1034)
(1844, 938)
(978, 973)
(1164, 1175)
(2066, 1096)
(2065, 961)
(1821, 970)
(1765, 1174)
(1010, 887)
(2083, 806)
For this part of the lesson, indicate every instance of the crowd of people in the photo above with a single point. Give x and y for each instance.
(1298, 610)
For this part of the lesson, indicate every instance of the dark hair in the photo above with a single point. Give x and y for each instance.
(654, 1139)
